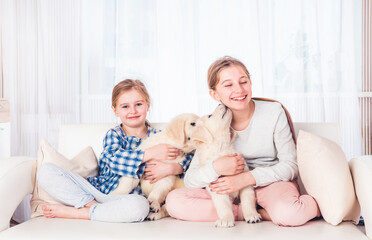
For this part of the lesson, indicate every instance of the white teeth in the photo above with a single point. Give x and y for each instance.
(241, 98)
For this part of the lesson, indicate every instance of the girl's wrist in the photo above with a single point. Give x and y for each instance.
(146, 157)
(216, 167)
(177, 168)
(249, 179)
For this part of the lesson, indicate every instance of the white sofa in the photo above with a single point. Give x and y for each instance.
(17, 177)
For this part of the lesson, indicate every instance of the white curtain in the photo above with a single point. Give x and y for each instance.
(41, 57)
(303, 53)
(41, 67)
(62, 58)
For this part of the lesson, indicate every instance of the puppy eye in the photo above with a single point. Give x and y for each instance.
(209, 116)
(188, 138)
(192, 124)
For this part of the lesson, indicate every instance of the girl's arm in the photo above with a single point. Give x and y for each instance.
(286, 169)
(161, 152)
(156, 170)
(230, 184)
(201, 176)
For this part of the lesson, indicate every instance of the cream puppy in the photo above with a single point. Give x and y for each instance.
(213, 138)
(177, 134)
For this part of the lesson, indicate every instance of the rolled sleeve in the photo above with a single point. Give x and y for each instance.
(200, 177)
(185, 164)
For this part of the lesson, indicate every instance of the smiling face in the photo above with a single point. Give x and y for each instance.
(233, 88)
(131, 108)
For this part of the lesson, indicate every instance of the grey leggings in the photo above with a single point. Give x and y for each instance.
(73, 190)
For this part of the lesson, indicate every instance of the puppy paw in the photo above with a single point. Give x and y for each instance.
(155, 216)
(154, 207)
(253, 218)
(223, 223)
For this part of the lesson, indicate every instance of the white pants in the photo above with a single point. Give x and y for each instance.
(73, 190)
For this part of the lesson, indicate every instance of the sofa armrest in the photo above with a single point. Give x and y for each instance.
(17, 178)
(361, 169)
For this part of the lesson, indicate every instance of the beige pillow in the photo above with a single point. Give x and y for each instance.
(326, 176)
(84, 164)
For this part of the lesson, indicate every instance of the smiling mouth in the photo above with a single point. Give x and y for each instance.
(135, 117)
(239, 98)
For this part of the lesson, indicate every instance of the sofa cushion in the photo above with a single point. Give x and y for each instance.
(84, 164)
(326, 176)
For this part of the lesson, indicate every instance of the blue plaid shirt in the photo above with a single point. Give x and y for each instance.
(120, 158)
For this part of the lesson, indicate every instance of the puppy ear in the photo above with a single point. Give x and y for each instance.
(176, 130)
(233, 135)
(201, 134)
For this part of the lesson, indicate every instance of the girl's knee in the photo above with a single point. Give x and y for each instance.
(182, 203)
(295, 213)
(172, 202)
(142, 205)
(130, 208)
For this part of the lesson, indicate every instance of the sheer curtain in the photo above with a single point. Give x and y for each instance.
(41, 57)
(309, 61)
(303, 53)
(41, 72)
(62, 58)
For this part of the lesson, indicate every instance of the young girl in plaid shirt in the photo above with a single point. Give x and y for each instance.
(87, 198)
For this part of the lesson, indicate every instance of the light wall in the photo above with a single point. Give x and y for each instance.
(1, 62)
(365, 98)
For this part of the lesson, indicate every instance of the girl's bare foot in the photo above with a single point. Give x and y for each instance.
(62, 211)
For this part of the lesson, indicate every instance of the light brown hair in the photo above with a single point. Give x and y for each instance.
(126, 85)
(216, 67)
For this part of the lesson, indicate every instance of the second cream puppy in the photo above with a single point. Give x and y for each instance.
(213, 138)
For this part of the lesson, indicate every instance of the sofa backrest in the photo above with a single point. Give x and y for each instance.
(74, 137)
(330, 131)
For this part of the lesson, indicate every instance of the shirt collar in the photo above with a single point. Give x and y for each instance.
(150, 131)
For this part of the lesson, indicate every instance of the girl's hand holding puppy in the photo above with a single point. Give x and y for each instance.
(229, 165)
(156, 170)
(232, 179)
(230, 184)
(161, 152)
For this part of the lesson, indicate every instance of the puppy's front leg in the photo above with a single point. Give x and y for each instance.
(223, 205)
(248, 202)
(157, 196)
